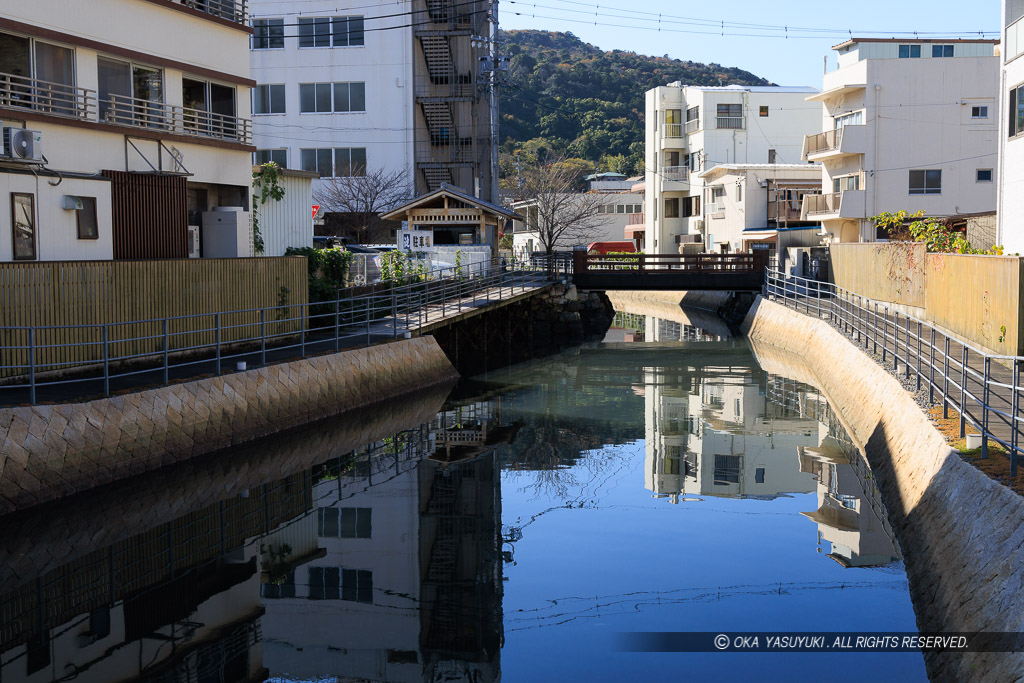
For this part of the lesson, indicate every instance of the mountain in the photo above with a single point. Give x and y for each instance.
(574, 99)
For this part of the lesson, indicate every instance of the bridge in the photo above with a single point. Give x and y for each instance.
(685, 272)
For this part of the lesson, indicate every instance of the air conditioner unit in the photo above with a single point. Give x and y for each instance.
(193, 241)
(23, 144)
(687, 239)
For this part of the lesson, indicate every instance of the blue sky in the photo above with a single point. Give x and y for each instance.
(693, 30)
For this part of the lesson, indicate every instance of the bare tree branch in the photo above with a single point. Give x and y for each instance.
(558, 213)
(362, 199)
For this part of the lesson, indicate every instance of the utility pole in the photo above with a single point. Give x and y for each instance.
(492, 19)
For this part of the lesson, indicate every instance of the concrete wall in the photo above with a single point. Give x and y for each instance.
(960, 531)
(58, 450)
(1010, 173)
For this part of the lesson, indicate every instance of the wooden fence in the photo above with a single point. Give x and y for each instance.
(977, 298)
(74, 304)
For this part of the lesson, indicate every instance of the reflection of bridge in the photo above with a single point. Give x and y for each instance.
(689, 272)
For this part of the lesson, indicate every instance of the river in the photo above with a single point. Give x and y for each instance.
(658, 481)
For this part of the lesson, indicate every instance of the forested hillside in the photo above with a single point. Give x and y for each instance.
(576, 100)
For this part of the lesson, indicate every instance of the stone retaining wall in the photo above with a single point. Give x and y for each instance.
(50, 451)
(961, 533)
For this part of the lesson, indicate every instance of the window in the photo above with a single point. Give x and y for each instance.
(762, 110)
(342, 162)
(338, 583)
(345, 522)
(27, 58)
(23, 223)
(984, 175)
(771, 156)
(119, 82)
(268, 99)
(691, 206)
(852, 119)
(267, 34)
(979, 112)
(926, 181)
(673, 123)
(672, 208)
(910, 51)
(942, 51)
(209, 108)
(730, 115)
(88, 227)
(846, 182)
(727, 470)
(717, 194)
(326, 98)
(759, 475)
(692, 119)
(263, 156)
(331, 32)
(1016, 110)
(284, 589)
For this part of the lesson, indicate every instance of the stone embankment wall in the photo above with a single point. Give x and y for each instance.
(51, 451)
(961, 533)
(565, 316)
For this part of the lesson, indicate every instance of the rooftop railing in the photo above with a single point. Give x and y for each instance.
(236, 11)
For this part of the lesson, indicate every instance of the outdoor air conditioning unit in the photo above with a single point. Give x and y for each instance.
(193, 241)
(23, 144)
(687, 239)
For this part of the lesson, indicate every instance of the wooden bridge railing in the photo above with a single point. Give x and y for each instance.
(652, 264)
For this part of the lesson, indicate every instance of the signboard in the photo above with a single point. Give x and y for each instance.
(316, 210)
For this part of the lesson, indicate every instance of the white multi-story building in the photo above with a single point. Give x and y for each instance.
(345, 86)
(907, 124)
(1010, 230)
(125, 121)
(608, 224)
(691, 129)
(755, 201)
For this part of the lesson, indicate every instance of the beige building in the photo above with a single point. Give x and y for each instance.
(125, 122)
(906, 124)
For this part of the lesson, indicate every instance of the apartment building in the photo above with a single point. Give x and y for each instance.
(692, 129)
(346, 86)
(1010, 228)
(125, 122)
(906, 124)
(753, 203)
(613, 213)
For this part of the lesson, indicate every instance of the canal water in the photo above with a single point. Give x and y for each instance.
(658, 481)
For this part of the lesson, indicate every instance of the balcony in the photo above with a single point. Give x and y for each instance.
(679, 174)
(692, 126)
(635, 226)
(673, 130)
(714, 209)
(839, 142)
(132, 112)
(845, 204)
(235, 11)
(730, 122)
(55, 99)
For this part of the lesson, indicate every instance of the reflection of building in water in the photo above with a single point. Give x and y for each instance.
(845, 516)
(177, 603)
(408, 584)
(707, 434)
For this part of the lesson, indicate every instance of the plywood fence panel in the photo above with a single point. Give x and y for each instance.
(70, 303)
(893, 271)
(977, 297)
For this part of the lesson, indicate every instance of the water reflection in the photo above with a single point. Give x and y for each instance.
(373, 548)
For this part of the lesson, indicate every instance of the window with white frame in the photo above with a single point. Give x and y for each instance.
(846, 182)
(926, 181)
(338, 162)
(942, 50)
(267, 34)
(268, 99)
(983, 175)
(328, 98)
(979, 112)
(854, 118)
(263, 156)
(1016, 109)
(331, 31)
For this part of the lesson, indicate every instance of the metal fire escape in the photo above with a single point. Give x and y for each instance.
(446, 94)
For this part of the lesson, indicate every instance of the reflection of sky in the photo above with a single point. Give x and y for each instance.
(604, 556)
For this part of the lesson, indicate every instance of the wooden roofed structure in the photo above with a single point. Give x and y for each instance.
(454, 217)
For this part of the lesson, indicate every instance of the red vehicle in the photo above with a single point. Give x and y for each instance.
(625, 246)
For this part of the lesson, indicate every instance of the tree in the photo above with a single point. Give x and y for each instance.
(558, 212)
(359, 201)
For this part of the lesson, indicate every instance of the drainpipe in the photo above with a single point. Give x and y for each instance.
(874, 172)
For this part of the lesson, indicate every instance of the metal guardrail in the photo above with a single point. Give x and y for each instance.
(232, 10)
(985, 389)
(123, 110)
(822, 203)
(56, 99)
(691, 263)
(676, 173)
(353, 319)
(823, 142)
(673, 130)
